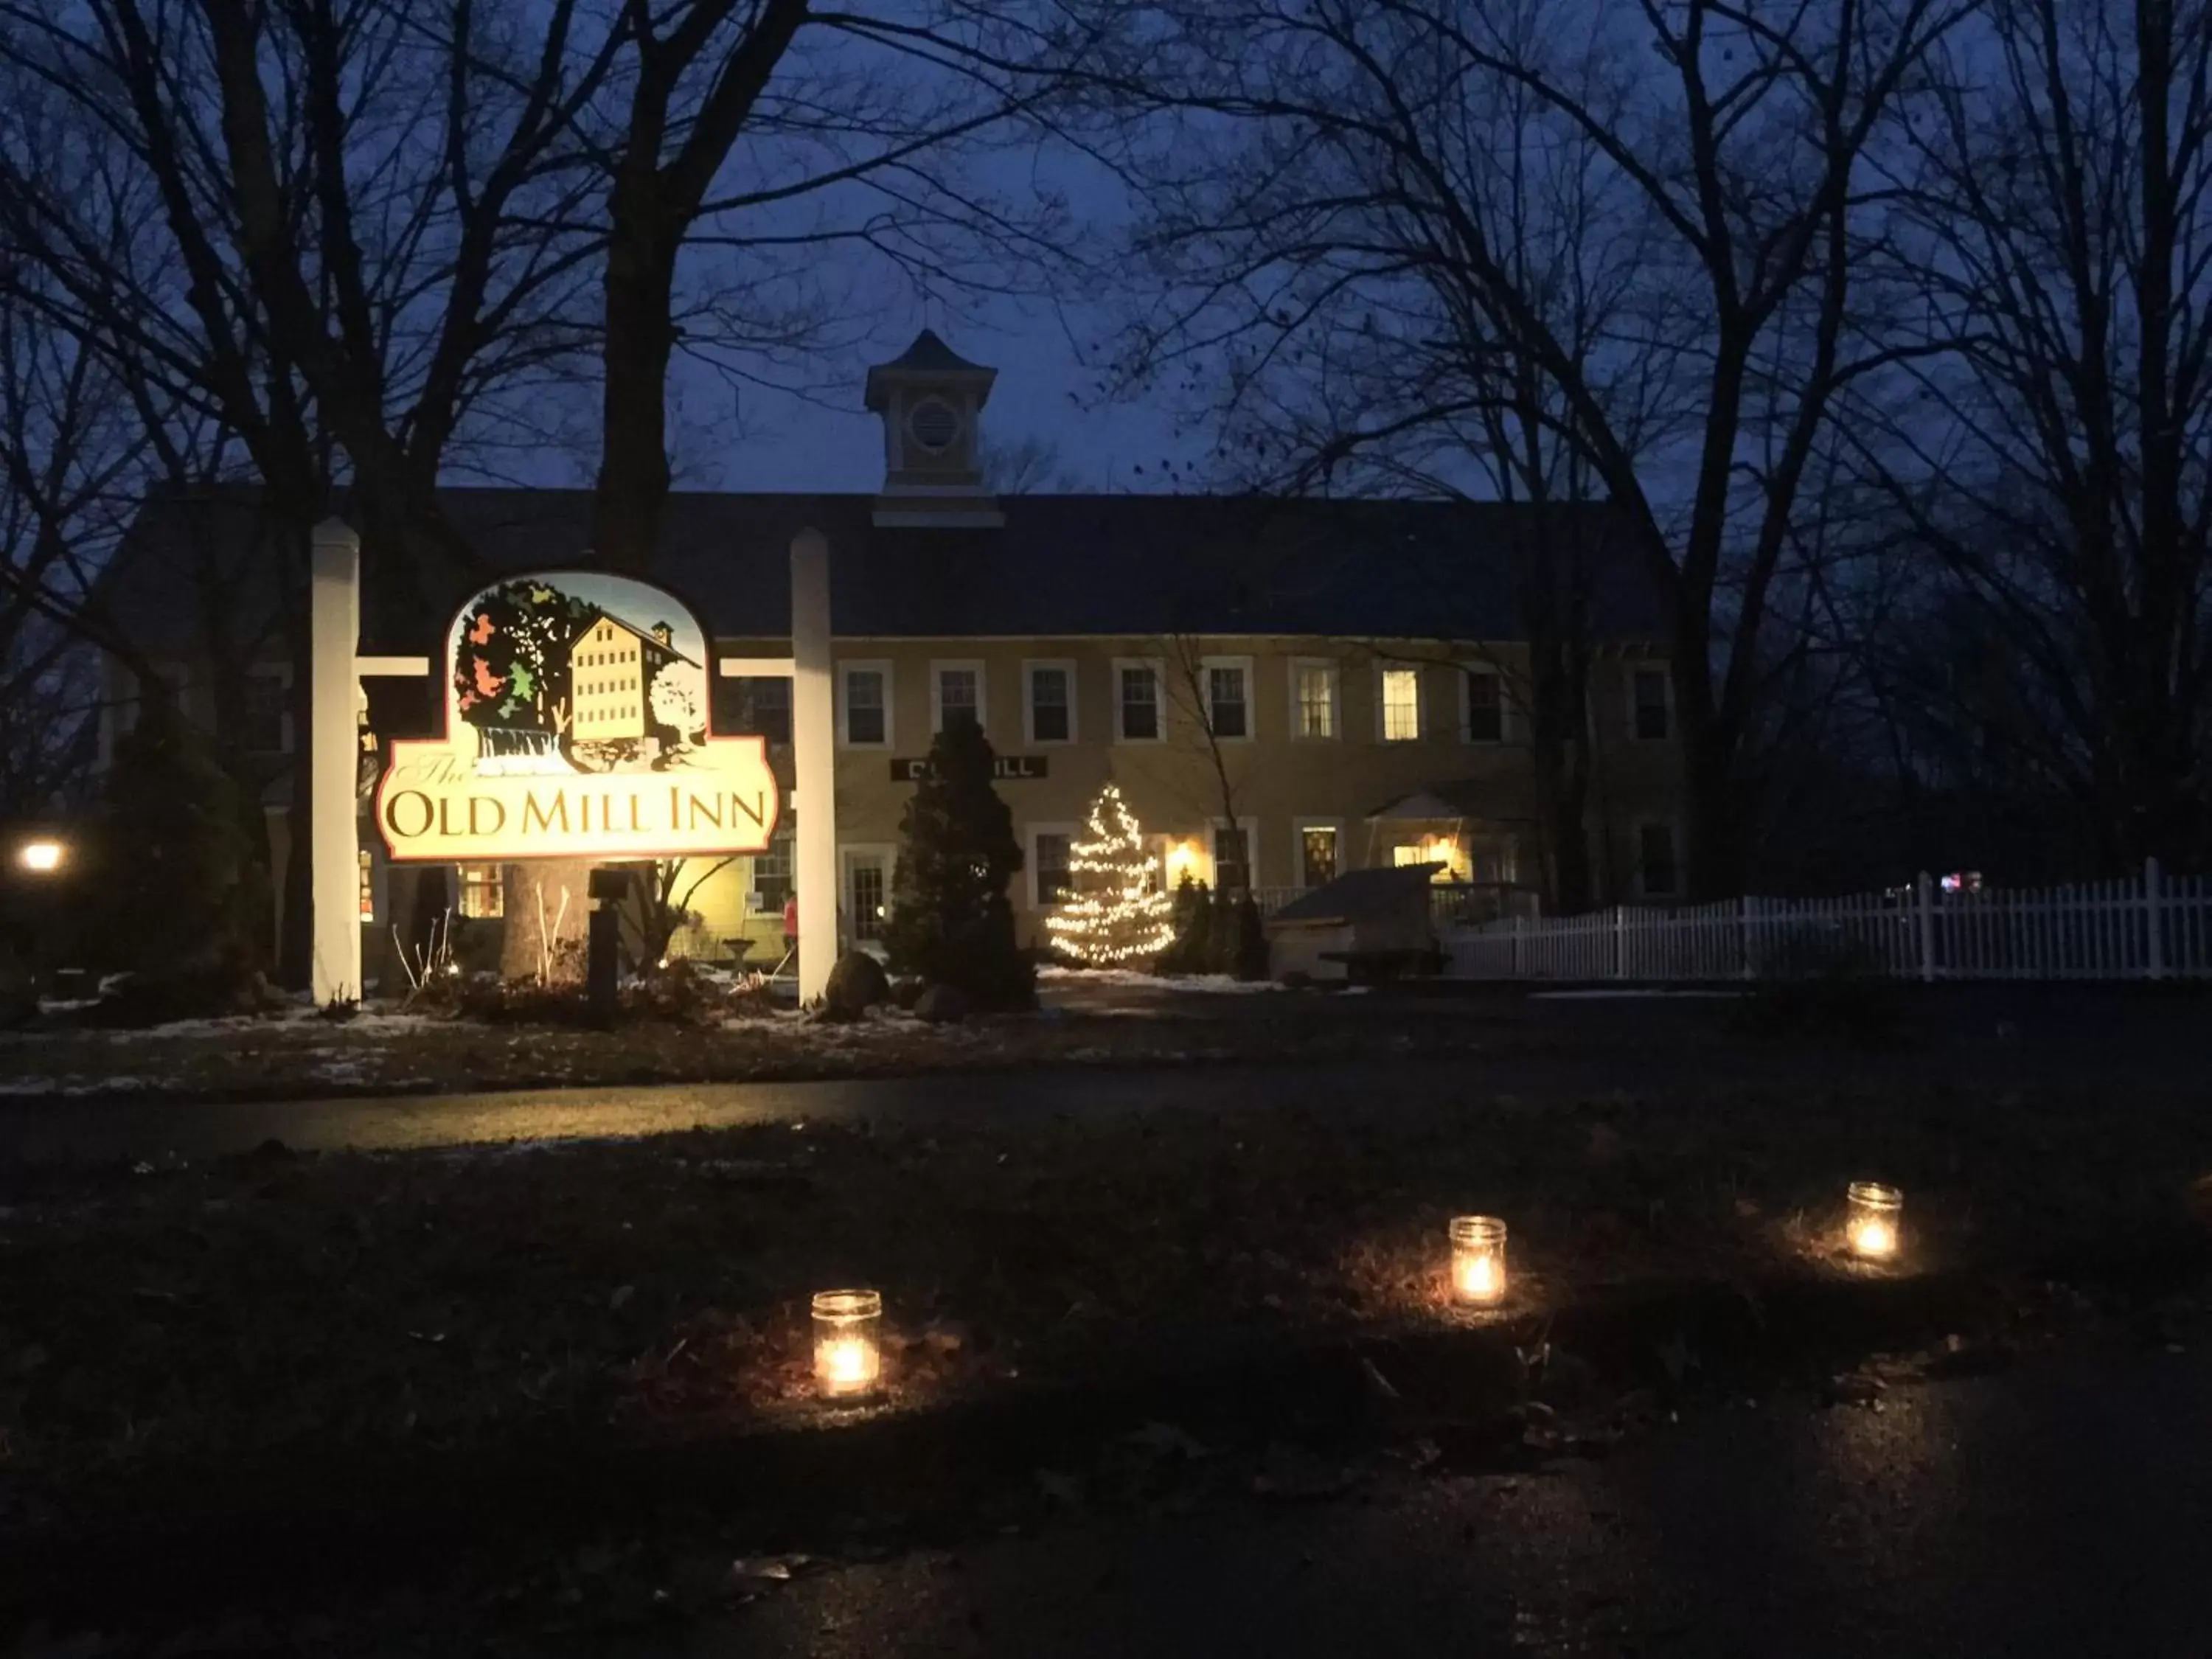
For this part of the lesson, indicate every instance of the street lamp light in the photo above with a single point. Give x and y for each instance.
(41, 858)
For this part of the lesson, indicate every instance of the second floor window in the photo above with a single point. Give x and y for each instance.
(1485, 708)
(1139, 703)
(1316, 699)
(959, 697)
(1651, 710)
(761, 708)
(865, 719)
(1401, 704)
(1228, 710)
(1049, 705)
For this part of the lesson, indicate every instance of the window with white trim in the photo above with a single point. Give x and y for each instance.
(483, 895)
(1401, 705)
(1227, 683)
(1234, 870)
(956, 693)
(1048, 701)
(1482, 705)
(1313, 698)
(1051, 877)
(1137, 713)
(1318, 840)
(864, 705)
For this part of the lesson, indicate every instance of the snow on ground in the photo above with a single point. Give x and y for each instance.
(1215, 984)
(1601, 994)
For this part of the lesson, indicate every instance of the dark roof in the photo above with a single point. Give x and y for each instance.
(1127, 566)
(930, 355)
(1384, 893)
(928, 358)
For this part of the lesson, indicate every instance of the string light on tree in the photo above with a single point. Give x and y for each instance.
(1114, 915)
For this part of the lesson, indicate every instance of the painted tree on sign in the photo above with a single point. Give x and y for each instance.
(510, 662)
(1115, 914)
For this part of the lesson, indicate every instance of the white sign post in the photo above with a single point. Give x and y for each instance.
(334, 761)
(813, 733)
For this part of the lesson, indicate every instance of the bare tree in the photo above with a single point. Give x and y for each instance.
(2059, 195)
(1190, 702)
(1342, 168)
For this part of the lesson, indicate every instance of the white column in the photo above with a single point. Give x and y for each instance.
(333, 761)
(814, 744)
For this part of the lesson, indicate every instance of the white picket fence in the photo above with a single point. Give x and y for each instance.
(2148, 927)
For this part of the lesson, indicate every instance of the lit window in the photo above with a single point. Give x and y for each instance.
(1054, 882)
(1651, 721)
(1401, 704)
(959, 697)
(1317, 854)
(368, 888)
(1316, 684)
(1655, 859)
(1050, 706)
(1139, 703)
(1228, 710)
(867, 721)
(1486, 707)
(481, 895)
(866, 875)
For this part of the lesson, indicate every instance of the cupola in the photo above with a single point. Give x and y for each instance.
(930, 397)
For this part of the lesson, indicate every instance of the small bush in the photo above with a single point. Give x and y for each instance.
(1821, 981)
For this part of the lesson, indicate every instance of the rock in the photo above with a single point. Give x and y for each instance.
(19, 996)
(942, 1005)
(907, 992)
(857, 984)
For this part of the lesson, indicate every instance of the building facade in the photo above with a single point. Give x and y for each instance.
(1283, 689)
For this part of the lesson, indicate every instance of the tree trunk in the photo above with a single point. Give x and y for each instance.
(546, 906)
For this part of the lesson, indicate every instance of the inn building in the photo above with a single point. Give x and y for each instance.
(1285, 689)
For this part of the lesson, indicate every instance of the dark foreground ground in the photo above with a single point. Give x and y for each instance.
(2061, 1510)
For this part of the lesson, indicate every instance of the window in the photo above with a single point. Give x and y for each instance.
(956, 692)
(1655, 858)
(1227, 681)
(867, 892)
(772, 874)
(1401, 705)
(481, 895)
(1232, 857)
(1649, 690)
(367, 887)
(1316, 855)
(864, 704)
(1048, 710)
(1485, 711)
(1137, 703)
(265, 712)
(1313, 699)
(764, 708)
(1050, 878)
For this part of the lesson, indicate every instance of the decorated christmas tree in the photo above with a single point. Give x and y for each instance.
(1114, 915)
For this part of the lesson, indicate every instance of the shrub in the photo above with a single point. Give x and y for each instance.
(1193, 919)
(952, 922)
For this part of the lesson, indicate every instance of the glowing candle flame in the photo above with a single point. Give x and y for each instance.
(846, 1362)
(1874, 1237)
(1478, 1279)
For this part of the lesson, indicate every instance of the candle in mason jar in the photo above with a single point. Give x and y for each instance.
(1478, 1259)
(1870, 1218)
(849, 1357)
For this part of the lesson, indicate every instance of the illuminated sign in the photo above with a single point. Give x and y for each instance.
(577, 725)
(1005, 768)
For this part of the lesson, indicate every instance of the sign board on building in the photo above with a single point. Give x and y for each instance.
(1004, 768)
(577, 725)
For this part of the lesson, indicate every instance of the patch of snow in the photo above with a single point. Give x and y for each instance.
(1210, 983)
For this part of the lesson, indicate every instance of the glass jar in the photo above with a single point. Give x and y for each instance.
(1870, 1219)
(1478, 1259)
(849, 1352)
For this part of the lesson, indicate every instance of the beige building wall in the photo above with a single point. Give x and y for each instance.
(1280, 782)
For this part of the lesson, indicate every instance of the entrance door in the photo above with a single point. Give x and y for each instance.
(867, 892)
